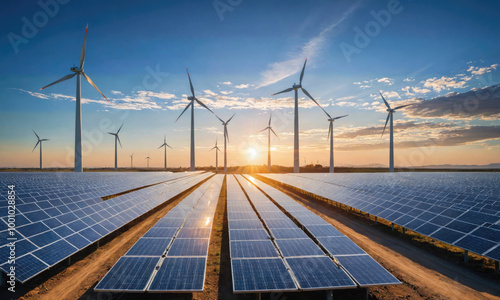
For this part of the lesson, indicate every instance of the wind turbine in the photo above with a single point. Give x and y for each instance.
(165, 145)
(78, 119)
(132, 161)
(117, 138)
(192, 99)
(148, 158)
(269, 130)
(391, 139)
(330, 136)
(216, 156)
(226, 140)
(296, 88)
(39, 142)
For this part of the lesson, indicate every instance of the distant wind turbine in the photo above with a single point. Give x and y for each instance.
(391, 139)
(269, 130)
(330, 136)
(296, 88)
(148, 158)
(216, 156)
(78, 119)
(39, 142)
(192, 99)
(165, 145)
(132, 161)
(226, 140)
(117, 138)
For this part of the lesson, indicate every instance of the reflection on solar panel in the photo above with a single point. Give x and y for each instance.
(181, 251)
(461, 209)
(366, 271)
(59, 214)
(128, 274)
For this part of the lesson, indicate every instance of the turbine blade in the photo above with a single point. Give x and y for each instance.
(119, 142)
(36, 134)
(336, 118)
(169, 146)
(386, 104)
(270, 119)
(202, 104)
(119, 129)
(161, 146)
(190, 103)
(329, 117)
(230, 118)
(302, 73)
(82, 54)
(274, 133)
(69, 76)
(283, 91)
(35, 146)
(309, 95)
(402, 106)
(387, 120)
(93, 84)
(43, 140)
(190, 83)
(112, 133)
(263, 129)
(221, 121)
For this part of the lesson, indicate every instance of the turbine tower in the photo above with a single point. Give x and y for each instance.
(39, 142)
(391, 134)
(269, 130)
(226, 140)
(165, 145)
(192, 99)
(216, 156)
(330, 136)
(148, 158)
(132, 161)
(78, 119)
(296, 88)
(117, 138)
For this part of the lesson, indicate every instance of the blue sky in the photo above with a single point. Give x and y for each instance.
(441, 56)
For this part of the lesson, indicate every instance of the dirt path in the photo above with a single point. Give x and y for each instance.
(424, 275)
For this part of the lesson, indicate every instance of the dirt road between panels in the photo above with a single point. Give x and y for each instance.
(423, 274)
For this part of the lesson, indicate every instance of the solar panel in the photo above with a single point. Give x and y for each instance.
(55, 252)
(324, 231)
(26, 267)
(261, 275)
(248, 249)
(189, 247)
(314, 273)
(247, 234)
(149, 247)
(366, 271)
(299, 247)
(180, 274)
(163, 232)
(245, 224)
(280, 223)
(130, 273)
(288, 233)
(194, 233)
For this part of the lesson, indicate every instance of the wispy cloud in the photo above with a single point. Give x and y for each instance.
(481, 71)
(445, 83)
(282, 69)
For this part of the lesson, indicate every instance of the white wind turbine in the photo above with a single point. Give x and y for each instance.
(391, 139)
(78, 119)
(148, 158)
(296, 88)
(117, 138)
(216, 156)
(192, 99)
(132, 161)
(269, 130)
(39, 142)
(165, 145)
(226, 140)
(330, 136)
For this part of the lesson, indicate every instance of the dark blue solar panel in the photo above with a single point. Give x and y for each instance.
(247, 234)
(475, 244)
(427, 228)
(164, 232)
(26, 267)
(413, 225)
(494, 253)
(488, 233)
(194, 233)
(32, 229)
(52, 223)
(477, 218)
(78, 241)
(90, 234)
(55, 252)
(248, 249)
(44, 238)
(319, 273)
(148, 247)
(254, 275)
(22, 247)
(189, 247)
(76, 225)
(63, 231)
(169, 222)
(280, 223)
(288, 233)
(366, 271)
(180, 274)
(461, 226)
(245, 224)
(130, 273)
(340, 246)
(36, 215)
(299, 247)
(447, 235)
(324, 231)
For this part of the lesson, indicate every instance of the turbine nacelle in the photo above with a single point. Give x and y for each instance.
(190, 98)
(76, 70)
(296, 86)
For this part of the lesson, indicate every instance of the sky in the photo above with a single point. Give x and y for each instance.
(440, 56)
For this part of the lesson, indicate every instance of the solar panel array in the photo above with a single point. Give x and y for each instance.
(461, 209)
(288, 260)
(59, 214)
(172, 255)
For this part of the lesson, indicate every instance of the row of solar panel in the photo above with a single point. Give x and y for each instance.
(42, 244)
(441, 216)
(172, 255)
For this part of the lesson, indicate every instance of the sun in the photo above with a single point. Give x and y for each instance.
(252, 153)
